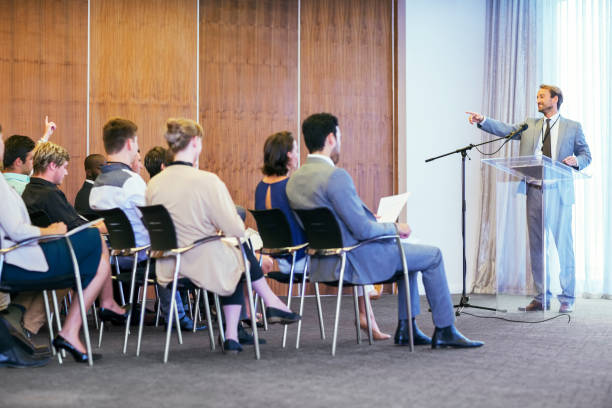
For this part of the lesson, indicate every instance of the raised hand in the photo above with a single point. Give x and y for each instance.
(49, 129)
(475, 117)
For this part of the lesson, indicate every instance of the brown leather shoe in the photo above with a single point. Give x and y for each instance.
(566, 307)
(534, 306)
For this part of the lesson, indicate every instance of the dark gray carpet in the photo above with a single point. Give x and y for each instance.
(552, 364)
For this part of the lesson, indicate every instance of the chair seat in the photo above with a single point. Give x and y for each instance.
(284, 277)
(396, 277)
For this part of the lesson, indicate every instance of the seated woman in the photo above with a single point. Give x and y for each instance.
(34, 265)
(200, 206)
(280, 159)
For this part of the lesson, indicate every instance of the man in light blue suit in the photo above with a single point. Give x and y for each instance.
(319, 183)
(562, 140)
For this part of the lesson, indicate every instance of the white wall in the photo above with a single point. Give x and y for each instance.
(442, 78)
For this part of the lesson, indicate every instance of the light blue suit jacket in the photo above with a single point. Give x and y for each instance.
(319, 184)
(571, 141)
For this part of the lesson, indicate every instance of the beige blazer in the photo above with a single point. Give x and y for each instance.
(200, 206)
(15, 226)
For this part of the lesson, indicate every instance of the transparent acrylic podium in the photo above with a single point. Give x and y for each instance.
(534, 257)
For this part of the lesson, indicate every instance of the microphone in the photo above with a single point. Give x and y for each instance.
(518, 131)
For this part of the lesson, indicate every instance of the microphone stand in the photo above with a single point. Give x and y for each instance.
(465, 300)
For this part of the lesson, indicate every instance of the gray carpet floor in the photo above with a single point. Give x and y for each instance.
(551, 364)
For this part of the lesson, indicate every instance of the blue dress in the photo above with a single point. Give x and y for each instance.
(278, 199)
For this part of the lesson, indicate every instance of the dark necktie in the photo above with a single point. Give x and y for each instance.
(546, 144)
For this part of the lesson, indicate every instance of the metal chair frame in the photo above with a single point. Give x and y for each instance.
(315, 249)
(158, 222)
(275, 232)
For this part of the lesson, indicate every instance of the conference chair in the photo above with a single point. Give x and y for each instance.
(164, 244)
(122, 242)
(275, 233)
(325, 239)
(59, 284)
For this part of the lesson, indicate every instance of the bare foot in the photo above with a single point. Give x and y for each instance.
(376, 333)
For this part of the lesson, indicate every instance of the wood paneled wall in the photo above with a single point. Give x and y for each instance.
(43, 71)
(346, 70)
(248, 77)
(143, 66)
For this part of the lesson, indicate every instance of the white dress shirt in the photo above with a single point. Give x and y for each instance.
(554, 133)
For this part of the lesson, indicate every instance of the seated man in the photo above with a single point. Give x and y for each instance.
(318, 183)
(93, 166)
(50, 163)
(118, 186)
(18, 157)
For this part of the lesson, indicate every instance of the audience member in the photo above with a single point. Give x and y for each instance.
(156, 160)
(200, 206)
(280, 159)
(119, 186)
(93, 166)
(319, 183)
(31, 263)
(18, 161)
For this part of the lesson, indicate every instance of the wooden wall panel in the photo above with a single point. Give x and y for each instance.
(43, 71)
(143, 66)
(248, 76)
(347, 70)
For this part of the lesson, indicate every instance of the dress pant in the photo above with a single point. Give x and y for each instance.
(428, 260)
(557, 219)
(35, 317)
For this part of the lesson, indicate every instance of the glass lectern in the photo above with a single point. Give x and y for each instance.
(534, 257)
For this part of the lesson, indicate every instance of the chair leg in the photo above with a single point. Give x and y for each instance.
(179, 332)
(263, 314)
(196, 314)
(131, 304)
(143, 306)
(50, 325)
(58, 321)
(338, 302)
(319, 310)
(172, 306)
(356, 306)
(100, 334)
(189, 305)
(407, 286)
(368, 307)
(211, 334)
(289, 293)
(94, 312)
(251, 303)
(117, 270)
(158, 310)
(302, 293)
(77, 277)
(219, 320)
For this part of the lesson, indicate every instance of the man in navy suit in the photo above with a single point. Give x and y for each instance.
(562, 140)
(319, 183)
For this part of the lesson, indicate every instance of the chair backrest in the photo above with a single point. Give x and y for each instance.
(120, 232)
(322, 229)
(158, 222)
(40, 219)
(274, 228)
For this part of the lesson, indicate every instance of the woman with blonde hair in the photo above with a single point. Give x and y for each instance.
(200, 206)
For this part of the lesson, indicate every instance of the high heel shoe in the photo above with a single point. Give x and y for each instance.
(61, 343)
(107, 315)
(376, 334)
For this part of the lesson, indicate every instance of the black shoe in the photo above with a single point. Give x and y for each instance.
(61, 343)
(245, 338)
(107, 315)
(17, 358)
(21, 337)
(451, 337)
(275, 315)
(402, 334)
(231, 347)
(260, 322)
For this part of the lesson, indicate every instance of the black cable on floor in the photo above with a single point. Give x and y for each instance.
(569, 318)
